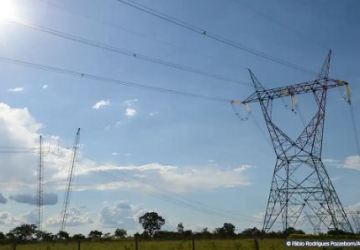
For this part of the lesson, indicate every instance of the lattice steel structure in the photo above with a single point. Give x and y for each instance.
(40, 185)
(300, 182)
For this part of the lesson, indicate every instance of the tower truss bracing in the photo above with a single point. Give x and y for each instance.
(300, 183)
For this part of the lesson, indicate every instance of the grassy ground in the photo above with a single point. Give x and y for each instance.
(236, 244)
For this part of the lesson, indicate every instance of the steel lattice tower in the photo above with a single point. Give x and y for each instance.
(300, 182)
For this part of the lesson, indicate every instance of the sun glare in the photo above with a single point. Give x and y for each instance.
(7, 10)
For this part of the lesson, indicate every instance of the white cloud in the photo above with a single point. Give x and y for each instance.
(130, 112)
(352, 162)
(17, 89)
(114, 153)
(120, 215)
(75, 217)
(19, 129)
(45, 86)
(155, 177)
(7, 219)
(101, 104)
(153, 113)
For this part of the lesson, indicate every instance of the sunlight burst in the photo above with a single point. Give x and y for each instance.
(7, 10)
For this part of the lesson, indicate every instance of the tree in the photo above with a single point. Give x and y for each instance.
(227, 229)
(62, 235)
(291, 230)
(251, 232)
(78, 237)
(151, 222)
(180, 228)
(107, 236)
(10, 236)
(43, 235)
(120, 233)
(24, 232)
(2, 236)
(95, 234)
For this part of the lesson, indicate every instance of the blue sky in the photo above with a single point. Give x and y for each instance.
(189, 159)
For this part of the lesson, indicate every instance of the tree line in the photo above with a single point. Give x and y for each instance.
(152, 223)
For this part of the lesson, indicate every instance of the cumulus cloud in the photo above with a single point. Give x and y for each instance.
(75, 217)
(10, 220)
(352, 162)
(120, 215)
(17, 89)
(48, 199)
(7, 219)
(130, 112)
(101, 104)
(45, 86)
(155, 176)
(19, 129)
(3, 200)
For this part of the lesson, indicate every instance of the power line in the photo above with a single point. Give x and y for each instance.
(214, 36)
(124, 52)
(106, 79)
(353, 122)
(130, 31)
(285, 26)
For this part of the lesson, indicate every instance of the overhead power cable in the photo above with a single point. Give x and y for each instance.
(214, 36)
(284, 26)
(123, 51)
(107, 79)
(353, 122)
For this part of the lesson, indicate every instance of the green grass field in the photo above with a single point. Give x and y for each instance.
(236, 244)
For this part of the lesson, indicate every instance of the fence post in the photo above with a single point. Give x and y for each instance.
(256, 243)
(136, 243)
(79, 245)
(193, 243)
(14, 246)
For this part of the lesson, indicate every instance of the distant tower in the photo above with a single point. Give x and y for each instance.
(69, 181)
(40, 185)
(300, 182)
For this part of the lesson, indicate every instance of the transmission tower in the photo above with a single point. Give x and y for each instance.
(300, 182)
(314, 222)
(69, 182)
(355, 216)
(40, 187)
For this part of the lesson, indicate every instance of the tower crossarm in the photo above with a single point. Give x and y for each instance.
(296, 89)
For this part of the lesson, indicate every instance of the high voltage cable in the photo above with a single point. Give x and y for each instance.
(353, 122)
(123, 51)
(131, 31)
(106, 79)
(283, 25)
(214, 36)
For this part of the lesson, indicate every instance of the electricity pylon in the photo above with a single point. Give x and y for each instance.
(300, 182)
